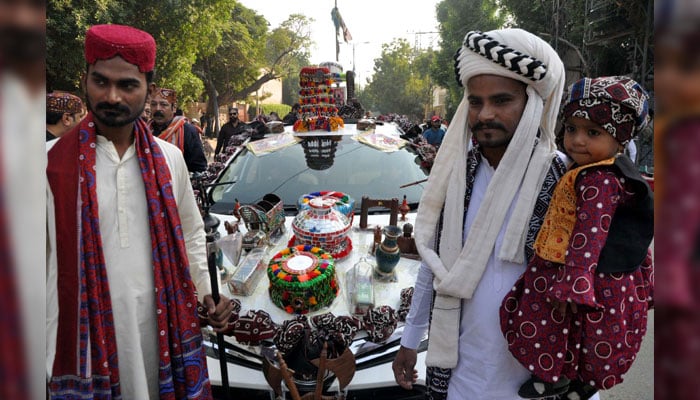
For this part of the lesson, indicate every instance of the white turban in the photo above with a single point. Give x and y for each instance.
(519, 55)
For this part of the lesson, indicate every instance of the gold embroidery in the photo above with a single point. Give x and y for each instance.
(553, 239)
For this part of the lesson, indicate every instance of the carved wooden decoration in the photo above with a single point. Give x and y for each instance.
(367, 203)
(343, 367)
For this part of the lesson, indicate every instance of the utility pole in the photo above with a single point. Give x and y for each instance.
(417, 42)
(353, 53)
(337, 32)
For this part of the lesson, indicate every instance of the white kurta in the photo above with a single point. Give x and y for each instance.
(22, 117)
(485, 368)
(125, 231)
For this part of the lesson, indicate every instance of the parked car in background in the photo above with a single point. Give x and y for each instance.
(289, 166)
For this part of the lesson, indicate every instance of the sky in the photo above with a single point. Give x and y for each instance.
(370, 22)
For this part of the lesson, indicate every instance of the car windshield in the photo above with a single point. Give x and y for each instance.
(337, 163)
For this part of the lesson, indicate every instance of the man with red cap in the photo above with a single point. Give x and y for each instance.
(121, 309)
(434, 134)
(175, 129)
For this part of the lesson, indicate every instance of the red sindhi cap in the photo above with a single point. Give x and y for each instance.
(137, 47)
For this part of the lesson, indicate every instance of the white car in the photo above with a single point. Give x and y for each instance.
(326, 161)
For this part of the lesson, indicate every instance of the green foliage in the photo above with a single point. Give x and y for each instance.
(400, 83)
(249, 55)
(290, 83)
(238, 58)
(214, 46)
(609, 40)
(183, 30)
(280, 109)
(610, 37)
(456, 18)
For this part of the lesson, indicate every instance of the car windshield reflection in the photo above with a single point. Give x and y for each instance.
(337, 163)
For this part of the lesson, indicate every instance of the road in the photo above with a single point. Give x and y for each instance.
(639, 380)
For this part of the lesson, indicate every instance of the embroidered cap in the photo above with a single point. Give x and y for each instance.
(103, 42)
(617, 103)
(167, 94)
(61, 102)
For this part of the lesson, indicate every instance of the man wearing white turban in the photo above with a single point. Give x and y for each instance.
(480, 212)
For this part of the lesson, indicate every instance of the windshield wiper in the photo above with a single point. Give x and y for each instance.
(219, 184)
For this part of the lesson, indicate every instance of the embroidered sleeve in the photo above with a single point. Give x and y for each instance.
(599, 192)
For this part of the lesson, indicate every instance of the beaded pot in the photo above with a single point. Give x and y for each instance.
(343, 202)
(302, 279)
(323, 226)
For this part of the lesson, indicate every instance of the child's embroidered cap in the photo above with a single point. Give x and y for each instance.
(617, 103)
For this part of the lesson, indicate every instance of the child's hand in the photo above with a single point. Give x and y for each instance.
(561, 306)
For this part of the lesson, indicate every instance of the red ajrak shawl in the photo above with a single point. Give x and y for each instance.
(86, 364)
(13, 369)
(175, 132)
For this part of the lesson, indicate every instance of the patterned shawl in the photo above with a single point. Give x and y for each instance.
(86, 364)
(175, 132)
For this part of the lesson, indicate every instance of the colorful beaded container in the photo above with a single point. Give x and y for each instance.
(323, 226)
(302, 279)
(344, 203)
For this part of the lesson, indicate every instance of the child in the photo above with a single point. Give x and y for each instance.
(576, 317)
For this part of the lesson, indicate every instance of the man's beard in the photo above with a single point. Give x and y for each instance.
(491, 142)
(114, 115)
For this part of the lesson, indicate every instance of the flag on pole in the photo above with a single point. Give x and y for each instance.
(340, 24)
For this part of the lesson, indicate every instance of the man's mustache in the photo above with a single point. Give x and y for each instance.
(158, 114)
(488, 125)
(112, 107)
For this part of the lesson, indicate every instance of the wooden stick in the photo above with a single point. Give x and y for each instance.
(413, 183)
(321, 372)
(288, 378)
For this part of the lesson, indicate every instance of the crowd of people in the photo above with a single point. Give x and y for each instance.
(527, 256)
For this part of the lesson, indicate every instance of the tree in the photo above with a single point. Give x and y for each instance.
(397, 85)
(290, 84)
(609, 37)
(249, 56)
(456, 18)
(183, 30)
(237, 59)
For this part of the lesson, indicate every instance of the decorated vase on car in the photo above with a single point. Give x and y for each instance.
(322, 225)
(387, 253)
(343, 202)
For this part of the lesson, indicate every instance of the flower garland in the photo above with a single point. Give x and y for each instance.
(318, 111)
(320, 123)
